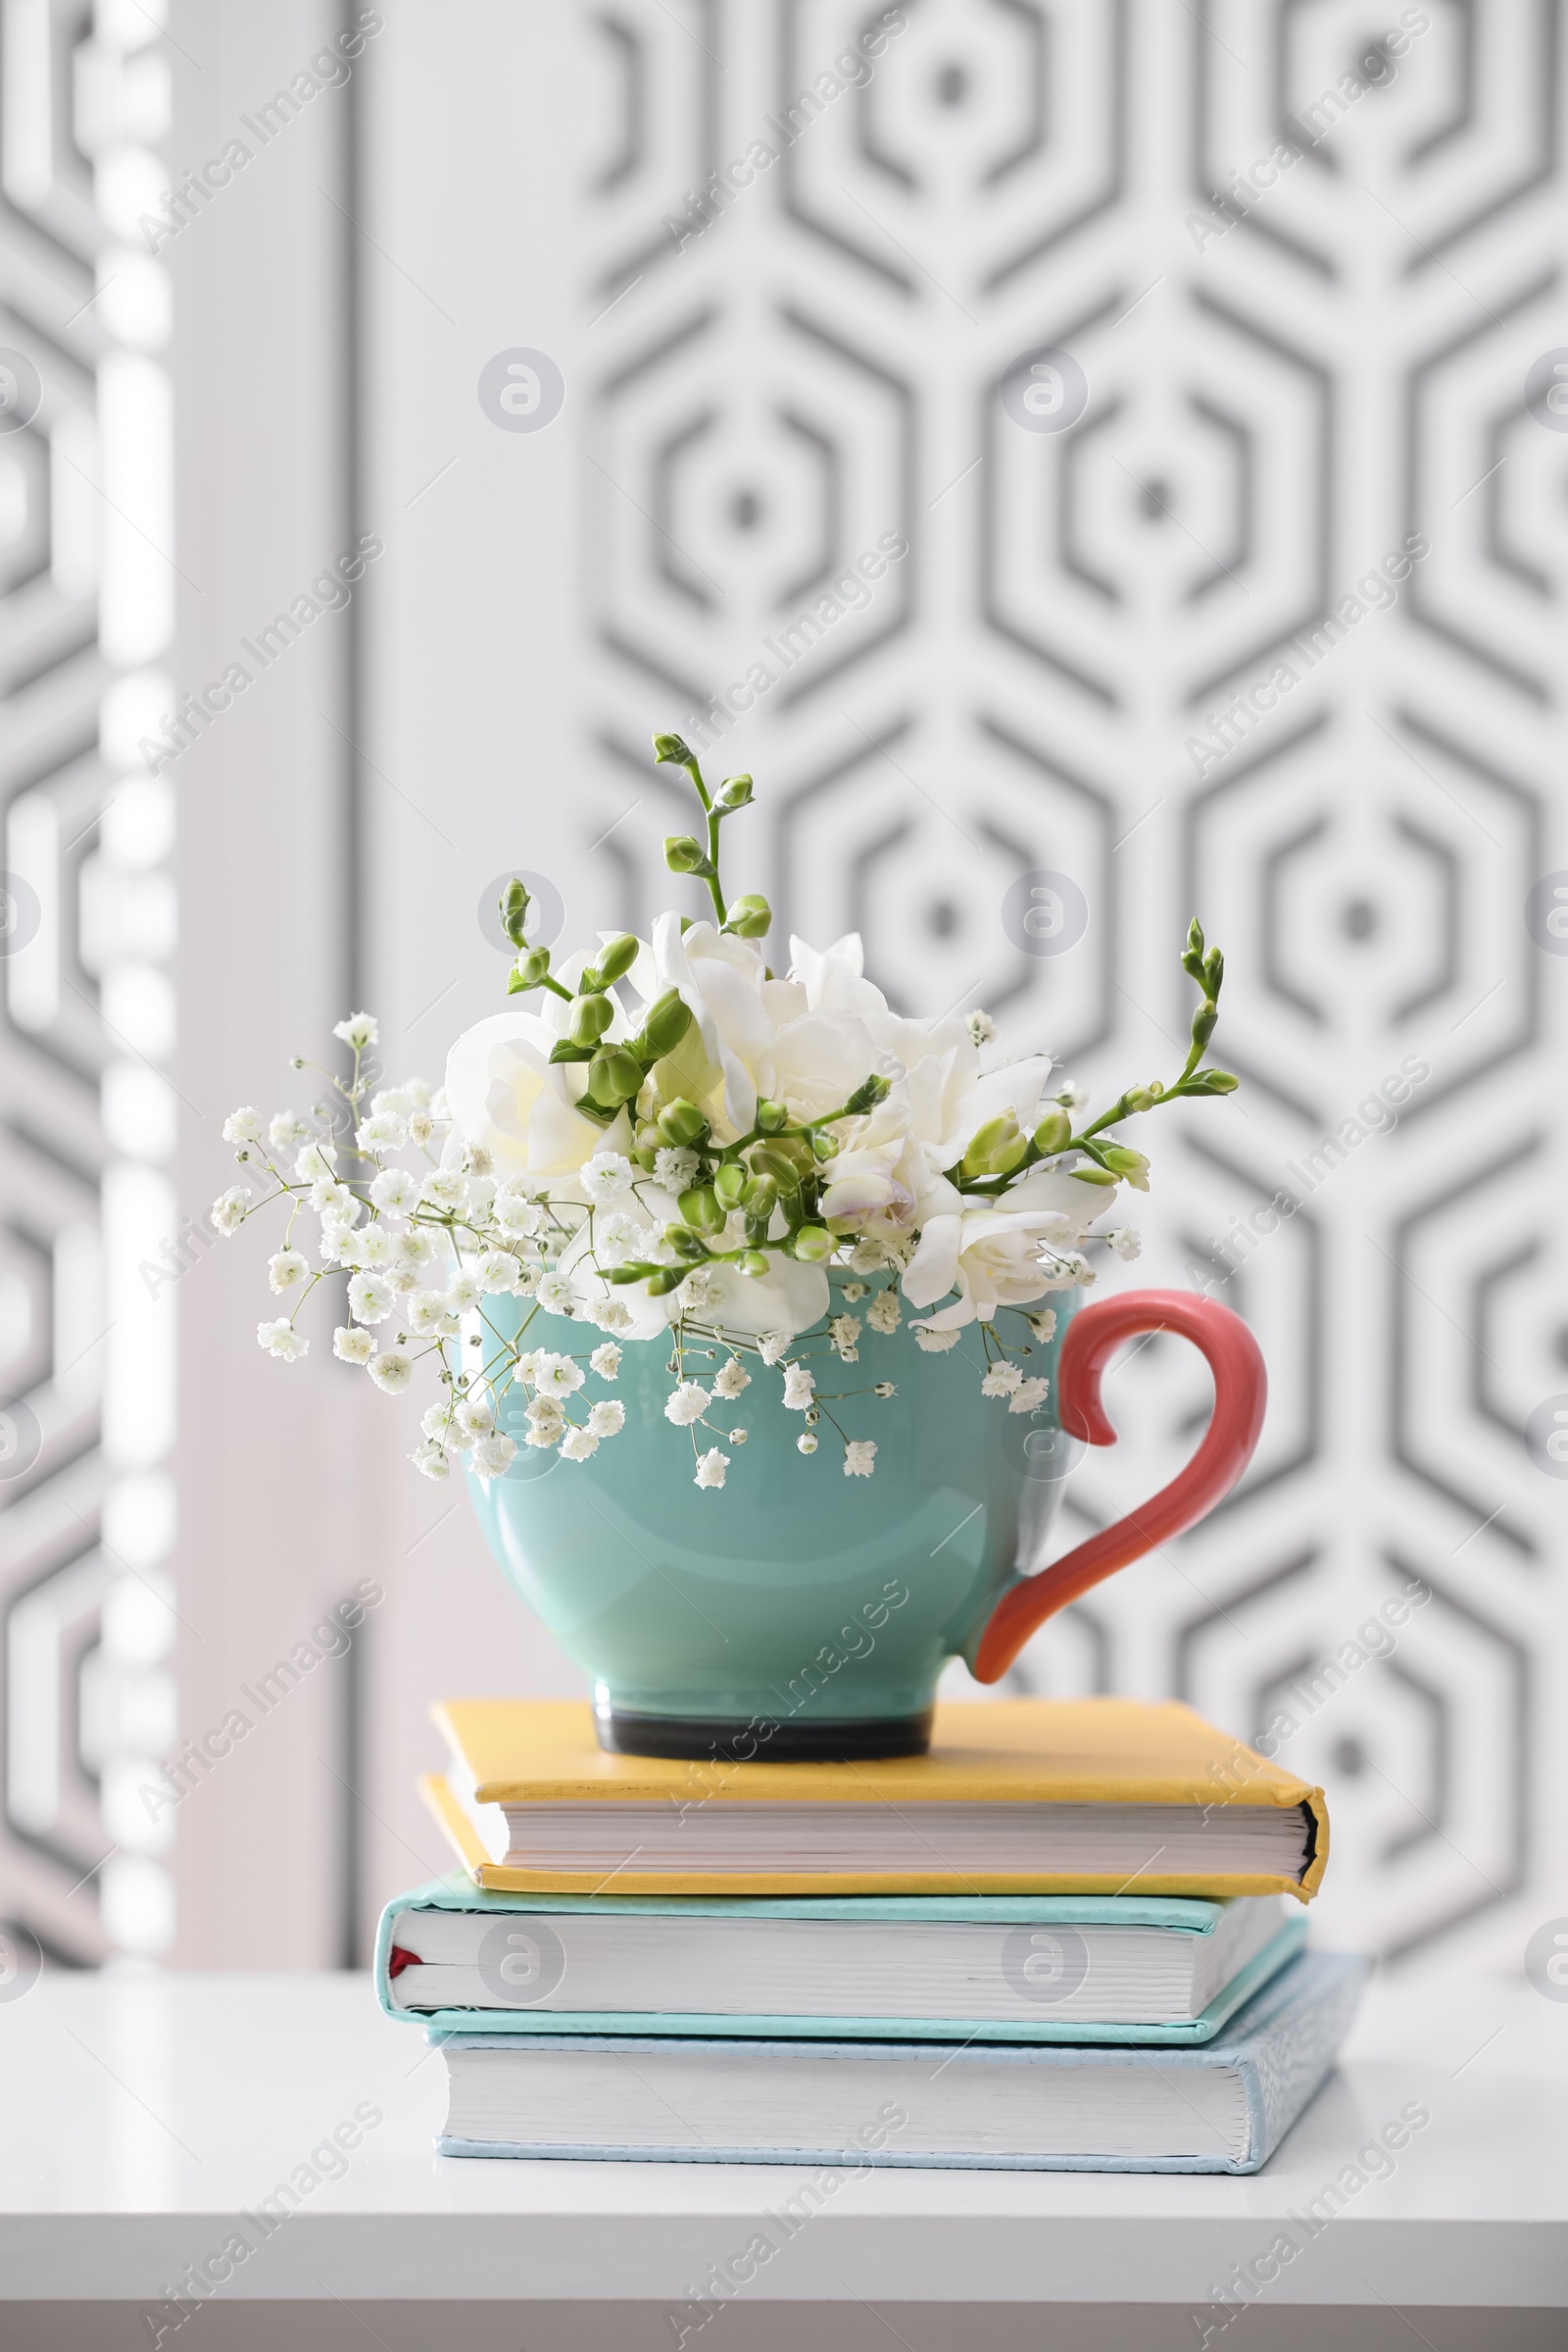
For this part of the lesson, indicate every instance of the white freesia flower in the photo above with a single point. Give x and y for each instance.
(280, 1339)
(493, 1457)
(608, 1417)
(507, 1096)
(578, 1444)
(990, 1254)
(556, 1375)
(606, 1360)
(686, 1404)
(859, 1457)
(710, 1468)
(396, 1189)
(392, 1371)
(287, 1269)
(1028, 1397)
(350, 1344)
(800, 1387)
(243, 1126)
(358, 1030)
(227, 1213)
(372, 1298)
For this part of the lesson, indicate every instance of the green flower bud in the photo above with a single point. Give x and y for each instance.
(1053, 1133)
(729, 1182)
(734, 792)
(684, 854)
(1140, 1098)
(633, 1269)
(681, 1122)
(647, 1160)
(1214, 970)
(617, 958)
(870, 1091)
(750, 916)
(700, 1209)
(671, 748)
(771, 1116)
(760, 1196)
(515, 912)
(824, 1142)
(591, 1017)
(756, 1228)
(614, 1077)
(753, 1264)
(684, 1241)
(1193, 953)
(663, 1279)
(1090, 1174)
(813, 1243)
(767, 1161)
(668, 1018)
(529, 969)
(1203, 1020)
(1214, 1081)
(995, 1149)
(1131, 1165)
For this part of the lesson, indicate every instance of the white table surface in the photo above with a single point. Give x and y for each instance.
(141, 2114)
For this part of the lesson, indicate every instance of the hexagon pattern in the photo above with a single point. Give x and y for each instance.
(1307, 464)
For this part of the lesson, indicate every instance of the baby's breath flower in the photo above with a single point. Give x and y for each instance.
(383, 1131)
(612, 1314)
(1126, 1241)
(772, 1346)
(732, 1377)
(316, 1161)
(981, 1027)
(516, 1217)
(806, 1442)
(350, 1344)
(243, 1126)
(883, 1312)
(1044, 1324)
(227, 1213)
(396, 1189)
(578, 1444)
(606, 1360)
(463, 1293)
(799, 1387)
(866, 1257)
(392, 1371)
(843, 1331)
(421, 1127)
(280, 1339)
(933, 1341)
(496, 1270)
(606, 1177)
(493, 1457)
(445, 1188)
(557, 1296)
(370, 1297)
(428, 1315)
(358, 1030)
(884, 1387)
(473, 1418)
(859, 1457)
(608, 1417)
(686, 1402)
(431, 1459)
(285, 1129)
(286, 1270)
(556, 1375)
(710, 1468)
(1000, 1380)
(1028, 1397)
(674, 1167)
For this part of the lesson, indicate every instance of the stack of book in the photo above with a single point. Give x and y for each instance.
(1055, 1942)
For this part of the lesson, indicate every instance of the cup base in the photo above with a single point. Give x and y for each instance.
(760, 1738)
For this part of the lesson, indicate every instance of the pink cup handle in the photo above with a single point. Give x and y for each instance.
(1240, 1393)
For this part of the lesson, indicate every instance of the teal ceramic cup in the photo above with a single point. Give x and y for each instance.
(798, 1612)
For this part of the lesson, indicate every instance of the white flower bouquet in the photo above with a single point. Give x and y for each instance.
(666, 1143)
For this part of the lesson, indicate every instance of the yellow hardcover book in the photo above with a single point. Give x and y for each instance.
(1017, 1796)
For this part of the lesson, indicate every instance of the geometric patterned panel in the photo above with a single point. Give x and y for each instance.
(1270, 632)
(86, 1006)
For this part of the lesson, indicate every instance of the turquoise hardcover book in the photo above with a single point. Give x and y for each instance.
(1011, 2107)
(1134, 1969)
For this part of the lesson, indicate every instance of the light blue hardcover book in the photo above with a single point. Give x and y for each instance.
(1151, 1969)
(1008, 2107)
